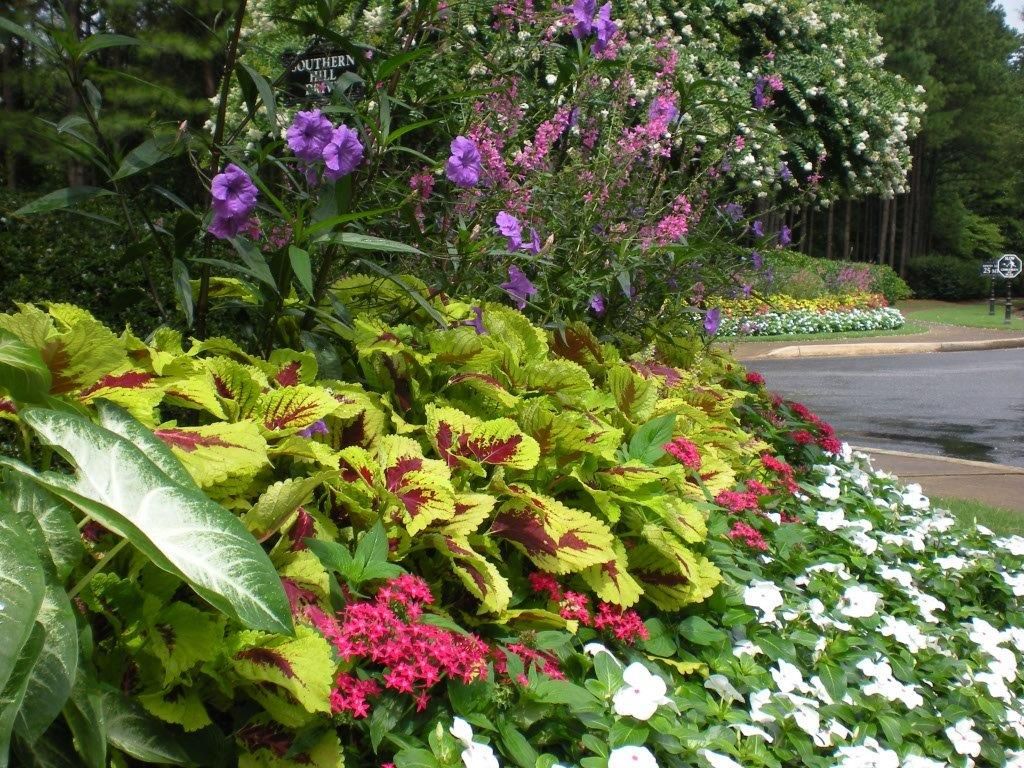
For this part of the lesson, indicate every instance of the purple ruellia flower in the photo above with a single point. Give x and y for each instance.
(784, 173)
(463, 167)
(606, 28)
(518, 286)
(343, 153)
(597, 305)
(785, 236)
(227, 226)
(712, 319)
(583, 13)
(233, 192)
(316, 428)
(757, 259)
(733, 210)
(534, 245)
(509, 226)
(758, 228)
(477, 323)
(308, 134)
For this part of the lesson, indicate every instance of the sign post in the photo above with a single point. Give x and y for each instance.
(1006, 267)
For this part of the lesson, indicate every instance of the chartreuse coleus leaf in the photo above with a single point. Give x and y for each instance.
(265, 744)
(77, 349)
(288, 368)
(557, 538)
(462, 439)
(671, 575)
(238, 387)
(301, 666)
(612, 582)
(23, 374)
(634, 395)
(222, 458)
(417, 490)
(178, 528)
(564, 432)
(22, 590)
(178, 705)
(280, 501)
(578, 343)
(182, 636)
(478, 574)
(290, 409)
(140, 392)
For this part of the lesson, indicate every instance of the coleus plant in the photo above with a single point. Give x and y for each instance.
(477, 457)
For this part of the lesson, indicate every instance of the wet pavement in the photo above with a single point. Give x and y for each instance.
(967, 405)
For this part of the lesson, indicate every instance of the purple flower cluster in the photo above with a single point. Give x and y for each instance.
(583, 14)
(313, 139)
(234, 199)
(712, 319)
(463, 167)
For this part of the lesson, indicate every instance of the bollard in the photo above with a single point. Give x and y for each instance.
(1009, 303)
(992, 296)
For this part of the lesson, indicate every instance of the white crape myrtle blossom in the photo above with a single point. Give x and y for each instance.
(965, 740)
(641, 695)
(632, 757)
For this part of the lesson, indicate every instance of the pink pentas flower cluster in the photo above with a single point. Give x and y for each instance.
(749, 535)
(737, 501)
(544, 662)
(411, 657)
(625, 625)
(684, 451)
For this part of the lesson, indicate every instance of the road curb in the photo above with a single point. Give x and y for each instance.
(1002, 469)
(905, 348)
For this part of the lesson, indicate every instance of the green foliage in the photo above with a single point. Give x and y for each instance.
(946, 277)
(801, 276)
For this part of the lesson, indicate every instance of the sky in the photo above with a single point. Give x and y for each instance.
(1013, 10)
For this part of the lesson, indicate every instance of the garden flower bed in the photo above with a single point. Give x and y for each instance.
(782, 315)
(503, 547)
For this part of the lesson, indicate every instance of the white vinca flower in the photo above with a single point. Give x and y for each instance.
(965, 740)
(720, 684)
(641, 695)
(474, 755)
(632, 757)
(870, 754)
(716, 760)
(764, 596)
(859, 602)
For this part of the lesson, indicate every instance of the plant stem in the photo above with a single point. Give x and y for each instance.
(110, 554)
(203, 303)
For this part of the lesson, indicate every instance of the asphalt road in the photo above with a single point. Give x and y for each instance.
(968, 405)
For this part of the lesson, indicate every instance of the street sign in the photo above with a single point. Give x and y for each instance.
(312, 73)
(988, 269)
(1009, 266)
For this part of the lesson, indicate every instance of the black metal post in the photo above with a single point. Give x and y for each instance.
(1009, 303)
(992, 296)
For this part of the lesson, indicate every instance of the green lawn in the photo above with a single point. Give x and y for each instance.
(908, 329)
(972, 315)
(1001, 521)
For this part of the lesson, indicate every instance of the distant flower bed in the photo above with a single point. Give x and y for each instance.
(782, 315)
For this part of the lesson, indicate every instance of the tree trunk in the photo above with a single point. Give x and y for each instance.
(812, 215)
(830, 226)
(883, 230)
(893, 210)
(908, 217)
(846, 230)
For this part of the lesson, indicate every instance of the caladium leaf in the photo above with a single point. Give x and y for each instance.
(137, 733)
(84, 716)
(21, 592)
(179, 529)
(221, 457)
(555, 537)
(53, 675)
(47, 519)
(461, 438)
(13, 692)
(120, 422)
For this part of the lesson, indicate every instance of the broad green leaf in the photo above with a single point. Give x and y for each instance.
(53, 676)
(146, 155)
(62, 198)
(646, 444)
(182, 636)
(48, 520)
(22, 371)
(415, 758)
(13, 692)
(132, 730)
(245, 72)
(301, 267)
(279, 502)
(84, 716)
(26, 34)
(697, 630)
(120, 422)
(180, 529)
(833, 678)
(516, 746)
(360, 242)
(255, 262)
(103, 40)
(21, 590)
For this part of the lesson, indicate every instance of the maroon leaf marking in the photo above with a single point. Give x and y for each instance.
(57, 359)
(298, 597)
(671, 375)
(129, 380)
(289, 375)
(283, 419)
(454, 548)
(662, 579)
(267, 658)
(303, 528)
(495, 452)
(444, 443)
(477, 575)
(415, 499)
(191, 441)
(571, 344)
(354, 433)
(7, 406)
(222, 388)
(459, 378)
(569, 540)
(265, 737)
(394, 475)
(523, 528)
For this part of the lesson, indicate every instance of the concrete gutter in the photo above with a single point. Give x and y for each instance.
(881, 348)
